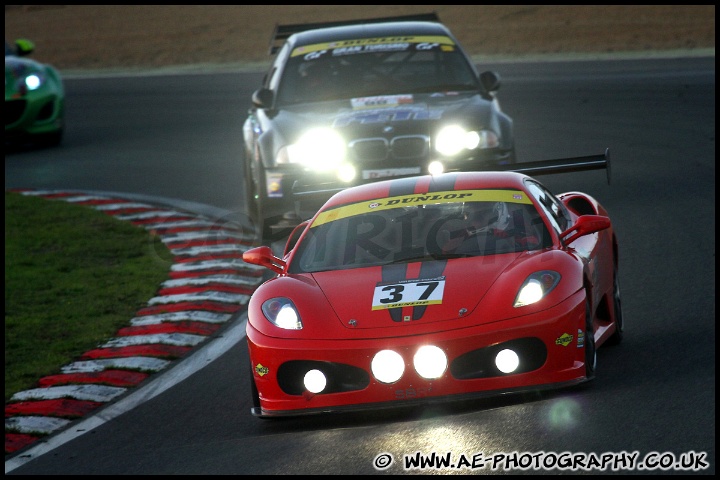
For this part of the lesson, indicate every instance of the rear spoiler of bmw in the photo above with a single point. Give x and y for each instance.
(312, 193)
(282, 32)
(562, 165)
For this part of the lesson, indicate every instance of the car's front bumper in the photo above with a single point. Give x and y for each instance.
(550, 345)
(35, 114)
(304, 192)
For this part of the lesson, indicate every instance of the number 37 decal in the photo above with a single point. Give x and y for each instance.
(408, 293)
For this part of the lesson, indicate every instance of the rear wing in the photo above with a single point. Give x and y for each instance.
(282, 32)
(562, 165)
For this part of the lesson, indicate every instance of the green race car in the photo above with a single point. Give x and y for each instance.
(34, 98)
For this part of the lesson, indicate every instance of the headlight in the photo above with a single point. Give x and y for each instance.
(33, 81)
(282, 313)
(536, 286)
(453, 139)
(317, 149)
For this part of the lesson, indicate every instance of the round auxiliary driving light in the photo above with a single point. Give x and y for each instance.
(387, 366)
(346, 173)
(315, 381)
(436, 168)
(430, 362)
(507, 361)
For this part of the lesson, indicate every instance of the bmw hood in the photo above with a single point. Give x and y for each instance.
(419, 293)
(388, 114)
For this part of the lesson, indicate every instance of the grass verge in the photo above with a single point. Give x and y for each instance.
(73, 277)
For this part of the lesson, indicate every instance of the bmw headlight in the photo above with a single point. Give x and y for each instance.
(536, 286)
(320, 149)
(454, 139)
(282, 313)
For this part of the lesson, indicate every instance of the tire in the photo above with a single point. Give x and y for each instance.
(46, 140)
(617, 336)
(52, 139)
(590, 347)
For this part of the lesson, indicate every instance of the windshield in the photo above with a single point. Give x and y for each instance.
(372, 67)
(412, 228)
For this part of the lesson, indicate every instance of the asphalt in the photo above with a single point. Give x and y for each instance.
(198, 313)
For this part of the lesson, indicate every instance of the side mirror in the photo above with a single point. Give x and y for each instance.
(264, 257)
(262, 98)
(585, 225)
(490, 81)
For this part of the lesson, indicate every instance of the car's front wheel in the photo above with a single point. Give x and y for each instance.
(52, 139)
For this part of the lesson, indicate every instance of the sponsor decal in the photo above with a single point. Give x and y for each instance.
(368, 45)
(372, 114)
(261, 369)
(383, 47)
(509, 196)
(274, 185)
(564, 339)
(580, 339)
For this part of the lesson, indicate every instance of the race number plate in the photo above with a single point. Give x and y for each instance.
(408, 293)
(389, 172)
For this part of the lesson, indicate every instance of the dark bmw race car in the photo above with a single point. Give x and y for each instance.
(358, 101)
(434, 288)
(34, 98)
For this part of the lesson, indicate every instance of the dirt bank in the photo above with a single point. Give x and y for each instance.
(99, 36)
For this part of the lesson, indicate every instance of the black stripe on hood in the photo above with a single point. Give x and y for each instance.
(398, 272)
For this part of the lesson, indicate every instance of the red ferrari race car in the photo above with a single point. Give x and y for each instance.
(434, 288)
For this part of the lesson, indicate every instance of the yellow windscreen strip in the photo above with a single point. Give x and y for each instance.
(438, 39)
(433, 198)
